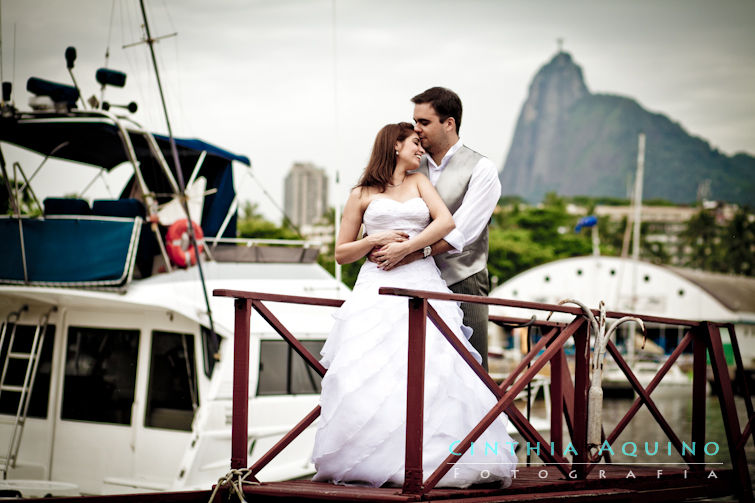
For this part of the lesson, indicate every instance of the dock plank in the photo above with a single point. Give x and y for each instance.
(646, 486)
(614, 484)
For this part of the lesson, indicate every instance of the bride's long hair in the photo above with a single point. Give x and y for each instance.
(382, 162)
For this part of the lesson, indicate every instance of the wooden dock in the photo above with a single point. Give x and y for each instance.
(629, 483)
(584, 477)
(644, 485)
(531, 485)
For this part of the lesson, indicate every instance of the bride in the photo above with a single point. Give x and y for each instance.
(361, 433)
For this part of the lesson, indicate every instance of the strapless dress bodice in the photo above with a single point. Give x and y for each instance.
(383, 213)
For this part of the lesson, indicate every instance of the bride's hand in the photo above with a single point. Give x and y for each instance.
(381, 239)
(390, 255)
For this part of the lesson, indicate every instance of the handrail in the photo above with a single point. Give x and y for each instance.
(274, 297)
(568, 397)
(538, 306)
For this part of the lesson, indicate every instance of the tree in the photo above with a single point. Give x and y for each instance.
(512, 251)
(702, 238)
(522, 237)
(739, 243)
(253, 225)
(26, 202)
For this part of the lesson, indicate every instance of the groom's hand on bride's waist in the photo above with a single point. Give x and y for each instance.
(441, 246)
(371, 256)
(406, 260)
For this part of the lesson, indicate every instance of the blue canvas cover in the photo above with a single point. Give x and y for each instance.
(69, 251)
(94, 138)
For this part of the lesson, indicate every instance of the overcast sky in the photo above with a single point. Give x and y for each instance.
(285, 81)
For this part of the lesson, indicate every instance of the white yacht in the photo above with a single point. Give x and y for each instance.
(116, 360)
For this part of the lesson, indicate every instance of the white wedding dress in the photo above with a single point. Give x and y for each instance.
(361, 431)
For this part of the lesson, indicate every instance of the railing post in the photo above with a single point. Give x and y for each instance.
(240, 421)
(415, 396)
(699, 381)
(581, 385)
(557, 401)
(729, 414)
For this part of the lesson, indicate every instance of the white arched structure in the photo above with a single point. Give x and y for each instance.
(628, 285)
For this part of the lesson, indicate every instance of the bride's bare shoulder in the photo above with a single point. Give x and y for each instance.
(362, 196)
(417, 177)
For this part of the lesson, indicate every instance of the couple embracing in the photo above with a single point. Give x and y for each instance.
(425, 201)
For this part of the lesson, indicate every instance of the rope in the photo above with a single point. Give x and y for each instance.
(236, 479)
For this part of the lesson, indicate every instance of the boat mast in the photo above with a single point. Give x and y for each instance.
(638, 182)
(177, 163)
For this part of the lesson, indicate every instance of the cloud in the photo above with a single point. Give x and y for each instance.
(305, 80)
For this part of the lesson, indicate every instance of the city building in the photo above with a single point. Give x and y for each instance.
(664, 225)
(305, 196)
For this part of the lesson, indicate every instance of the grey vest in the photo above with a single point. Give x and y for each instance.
(452, 185)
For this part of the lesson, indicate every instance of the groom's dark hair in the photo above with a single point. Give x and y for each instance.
(445, 102)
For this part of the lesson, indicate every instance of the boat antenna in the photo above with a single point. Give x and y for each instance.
(337, 195)
(107, 48)
(109, 34)
(177, 163)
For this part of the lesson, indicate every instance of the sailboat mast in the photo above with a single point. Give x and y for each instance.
(638, 182)
(177, 163)
(637, 203)
(174, 151)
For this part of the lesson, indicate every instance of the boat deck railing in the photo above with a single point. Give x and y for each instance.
(569, 397)
(263, 250)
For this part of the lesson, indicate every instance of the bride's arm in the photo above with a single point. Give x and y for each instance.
(349, 248)
(442, 223)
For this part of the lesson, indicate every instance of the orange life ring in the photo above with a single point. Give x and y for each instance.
(179, 248)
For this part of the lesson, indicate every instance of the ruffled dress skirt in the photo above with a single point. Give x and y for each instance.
(361, 433)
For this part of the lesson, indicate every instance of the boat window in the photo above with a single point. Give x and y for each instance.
(284, 372)
(16, 370)
(172, 397)
(100, 375)
(210, 350)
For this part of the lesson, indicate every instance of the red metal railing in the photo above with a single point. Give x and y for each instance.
(568, 398)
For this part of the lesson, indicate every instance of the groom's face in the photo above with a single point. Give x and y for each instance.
(428, 126)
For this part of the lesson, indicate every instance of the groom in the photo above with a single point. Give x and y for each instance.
(468, 184)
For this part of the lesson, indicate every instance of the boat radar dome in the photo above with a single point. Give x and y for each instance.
(61, 95)
(107, 77)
